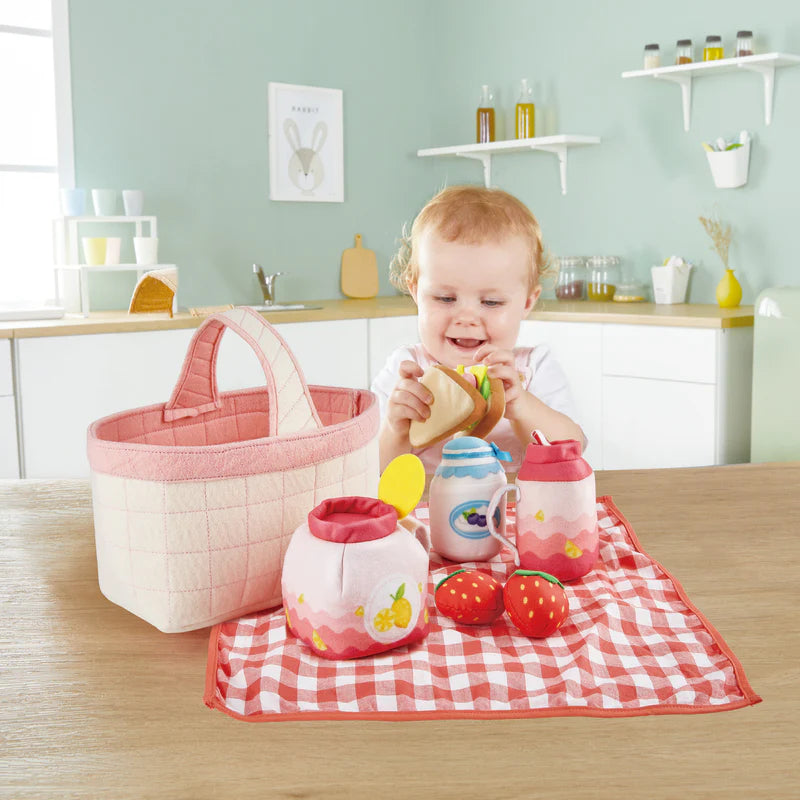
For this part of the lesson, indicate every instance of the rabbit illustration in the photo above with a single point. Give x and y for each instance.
(306, 171)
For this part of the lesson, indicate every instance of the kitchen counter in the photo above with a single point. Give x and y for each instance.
(682, 315)
(96, 703)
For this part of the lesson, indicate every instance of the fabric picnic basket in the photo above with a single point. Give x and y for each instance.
(195, 500)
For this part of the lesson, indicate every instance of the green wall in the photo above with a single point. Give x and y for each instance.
(170, 97)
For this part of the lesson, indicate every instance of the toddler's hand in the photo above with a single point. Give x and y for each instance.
(501, 364)
(409, 400)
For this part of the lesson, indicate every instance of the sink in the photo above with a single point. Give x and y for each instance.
(285, 307)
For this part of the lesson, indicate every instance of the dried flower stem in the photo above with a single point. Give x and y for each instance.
(720, 234)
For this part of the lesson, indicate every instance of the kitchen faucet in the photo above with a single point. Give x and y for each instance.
(267, 283)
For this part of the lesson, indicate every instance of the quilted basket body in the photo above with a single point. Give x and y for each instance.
(195, 500)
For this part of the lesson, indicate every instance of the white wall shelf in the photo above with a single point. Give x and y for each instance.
(764, 64)
(73, 287)
(72, 277)
(558, 145)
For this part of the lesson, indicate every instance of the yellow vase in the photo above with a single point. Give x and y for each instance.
(729, 291)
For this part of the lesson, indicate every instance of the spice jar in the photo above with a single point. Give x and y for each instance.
(713, 50)
(683, 52)
(652, 56)
(603, 277)
(744, 43)
(571, 280)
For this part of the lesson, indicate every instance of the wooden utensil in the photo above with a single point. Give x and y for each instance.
(359, 271)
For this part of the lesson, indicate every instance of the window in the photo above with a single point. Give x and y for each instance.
(35, 144)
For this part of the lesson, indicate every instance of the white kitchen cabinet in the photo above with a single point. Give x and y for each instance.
(578, 349)
(645, 395)
(9, 461)
(676, 397)
(66, 382)
(655, 396)
(657, 423)
(386, 334)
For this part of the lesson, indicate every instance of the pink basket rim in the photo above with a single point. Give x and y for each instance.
(234, 459)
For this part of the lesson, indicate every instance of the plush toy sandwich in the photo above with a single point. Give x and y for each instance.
(464, 399)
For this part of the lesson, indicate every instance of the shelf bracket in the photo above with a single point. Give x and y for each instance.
(685, 82)
(767, 72)
(486, 160)
(561, 151)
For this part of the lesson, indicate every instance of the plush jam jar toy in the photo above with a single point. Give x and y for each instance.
(355, 580)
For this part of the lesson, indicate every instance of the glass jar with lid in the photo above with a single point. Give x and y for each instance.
(571, 279)
(652, 56)
(684, 53)
(744, 43)
(713, 50)
(603, 277)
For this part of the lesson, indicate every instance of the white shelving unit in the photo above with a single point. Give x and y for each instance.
(764, 64)
(558, 145)
(72, 277)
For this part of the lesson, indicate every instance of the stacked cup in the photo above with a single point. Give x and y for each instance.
(104, 201)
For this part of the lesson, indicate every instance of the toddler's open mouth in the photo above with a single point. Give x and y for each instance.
(466, 344)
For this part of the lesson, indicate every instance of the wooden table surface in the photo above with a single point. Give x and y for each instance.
(96, 703)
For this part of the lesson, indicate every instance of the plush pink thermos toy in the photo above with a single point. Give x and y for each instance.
(556, 510)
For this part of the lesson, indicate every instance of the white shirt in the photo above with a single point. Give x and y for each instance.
(541, 376)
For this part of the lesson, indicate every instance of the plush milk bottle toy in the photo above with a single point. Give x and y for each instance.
(469, 474)
(556, 510)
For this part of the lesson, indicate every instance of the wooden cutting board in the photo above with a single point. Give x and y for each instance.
(359, 271)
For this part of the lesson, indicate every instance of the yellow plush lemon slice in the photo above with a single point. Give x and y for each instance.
(402, 484)
(572, 550)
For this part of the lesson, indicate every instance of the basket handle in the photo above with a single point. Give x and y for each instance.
(291, 408)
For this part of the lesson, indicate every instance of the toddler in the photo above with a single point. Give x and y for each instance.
(472, 264)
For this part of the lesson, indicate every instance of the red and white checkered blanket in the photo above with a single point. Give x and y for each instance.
(632, 644)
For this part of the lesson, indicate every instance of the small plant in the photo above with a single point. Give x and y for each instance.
(720, 233)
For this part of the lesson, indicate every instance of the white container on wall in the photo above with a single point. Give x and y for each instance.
(729, 168)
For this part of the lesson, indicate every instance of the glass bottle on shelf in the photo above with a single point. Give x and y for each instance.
(713, 50)
(525, 124)
(683, 52)
(652, 56)
(603, 277)
(744, 43)
(485, 116)
(571, 278)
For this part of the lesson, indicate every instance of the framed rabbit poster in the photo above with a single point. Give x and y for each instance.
(306, 149)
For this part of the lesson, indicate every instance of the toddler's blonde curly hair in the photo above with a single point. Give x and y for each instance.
(471, 215)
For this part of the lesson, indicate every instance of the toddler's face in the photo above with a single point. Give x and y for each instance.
(469, 295)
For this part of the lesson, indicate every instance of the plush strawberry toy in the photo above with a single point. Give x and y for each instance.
(469, 597)
(536, 602)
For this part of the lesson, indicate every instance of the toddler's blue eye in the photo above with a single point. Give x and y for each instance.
(445, 299)
(493, 303)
